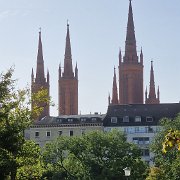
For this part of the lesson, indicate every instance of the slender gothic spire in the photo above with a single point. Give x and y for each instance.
(109, 99)
(40, 62)
(114, 90)
(68, 71)
(152, 93)
(130, 45)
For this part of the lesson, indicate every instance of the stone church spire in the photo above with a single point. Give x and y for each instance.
(114, 90)
(151, 99)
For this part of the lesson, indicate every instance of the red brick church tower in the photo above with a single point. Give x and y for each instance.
(68, 83)
(130, 68)
(40, 82)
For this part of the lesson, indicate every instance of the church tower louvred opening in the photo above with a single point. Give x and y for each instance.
(68, 83)
(39, 82)
(151, 98)
(131, 68)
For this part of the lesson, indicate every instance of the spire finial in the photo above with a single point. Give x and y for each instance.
(67, 23)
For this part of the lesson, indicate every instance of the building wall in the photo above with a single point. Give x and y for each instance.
(42, 139)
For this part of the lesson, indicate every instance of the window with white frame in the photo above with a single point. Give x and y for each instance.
(93, 119)
(138, 119)
(113, 119)
(48, 133)
(70, 120)
(126, 119)
(83, 119)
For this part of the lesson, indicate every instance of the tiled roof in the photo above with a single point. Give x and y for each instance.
(70, 120)
(156, 111)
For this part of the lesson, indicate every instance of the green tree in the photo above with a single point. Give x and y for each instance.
(93, 156)
(15, 117)
(165, 159)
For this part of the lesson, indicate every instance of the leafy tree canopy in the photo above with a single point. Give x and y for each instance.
(93, 156)
(166, 160)
(16, 154)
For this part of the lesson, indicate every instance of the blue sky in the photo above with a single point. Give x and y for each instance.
(97, 31)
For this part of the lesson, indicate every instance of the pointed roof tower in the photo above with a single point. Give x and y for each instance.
(152, 93)
(40, 78)
(130, 44)
(114, 90)
(68, 70)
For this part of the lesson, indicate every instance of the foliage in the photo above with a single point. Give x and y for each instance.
(169, 161)
(16, 154)
(155, 173)
(96, 155)
(172, 140)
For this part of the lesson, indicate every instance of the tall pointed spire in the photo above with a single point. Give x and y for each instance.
(114, 90)
(152, 93)
(40, 62)
(39, 82)
(68, 71)
(130, 46)
(68, 83)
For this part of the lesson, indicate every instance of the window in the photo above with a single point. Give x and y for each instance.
(83, 119)
(70, 120)
(60, 133)
(58, 120)
(36, 134)
(136, 129)
(71, 133)
(138, 119)
(146, 140)
(93, 119)
(149, 119)
(48, 133)
(141, 140)
(113, 119)
(126, 119)
(145, 152)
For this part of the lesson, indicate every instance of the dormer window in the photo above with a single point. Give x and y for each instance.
(149, 119)
(58, 120)
(70, 120)
(138, 119)
(113, 119)
(93, 119)
(126, 119)
(83, 119)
